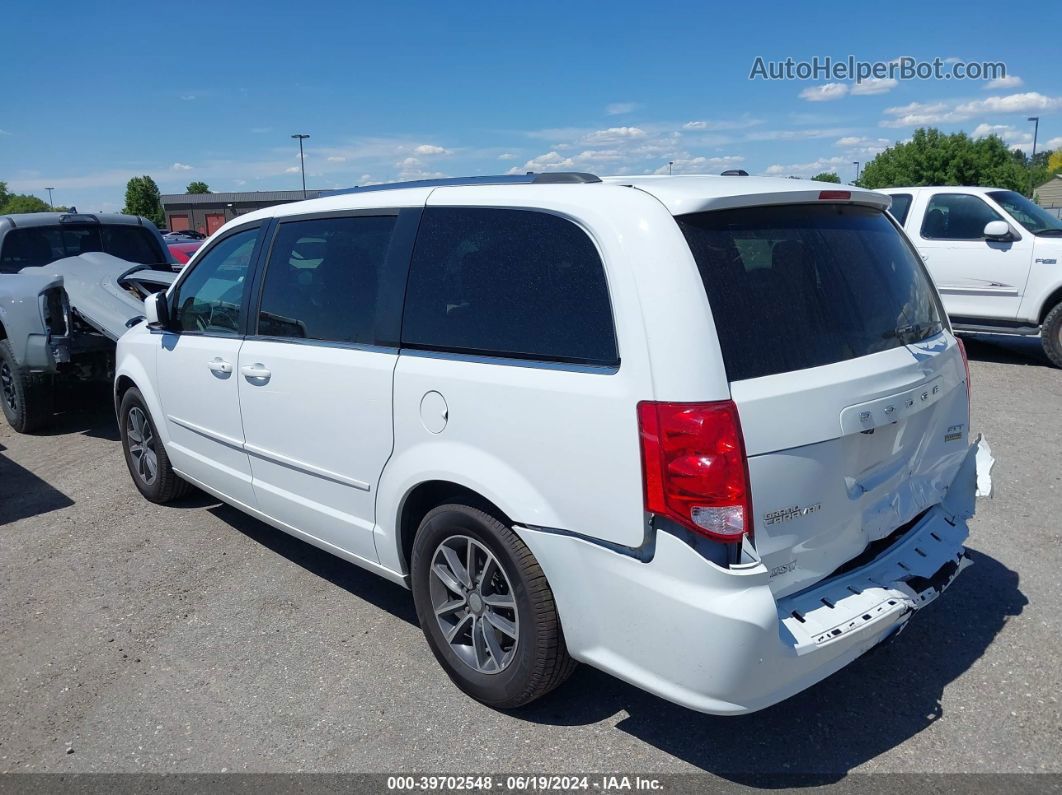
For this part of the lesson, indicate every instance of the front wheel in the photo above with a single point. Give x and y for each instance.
(26, 399)
(1051, 335)
(149, 466)
(486, 609)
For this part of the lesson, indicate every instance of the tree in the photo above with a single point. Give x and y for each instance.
(142, 198)
(4, 195)
(1054, 162)
(827, 176)
(23, 203)
(933, 158)
(197, 187)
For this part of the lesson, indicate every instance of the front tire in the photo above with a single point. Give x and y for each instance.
(145, 455)
(1051, 335)
(486, 609)
(26, 399)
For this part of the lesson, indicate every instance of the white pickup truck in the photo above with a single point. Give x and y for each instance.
(995, 256)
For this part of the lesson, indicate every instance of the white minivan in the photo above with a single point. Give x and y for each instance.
(707, 434)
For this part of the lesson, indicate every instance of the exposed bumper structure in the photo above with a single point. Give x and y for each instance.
(716, 640)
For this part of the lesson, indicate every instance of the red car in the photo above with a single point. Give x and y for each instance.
(182, 252)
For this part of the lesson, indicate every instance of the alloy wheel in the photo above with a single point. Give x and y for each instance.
(474, 604)
(140, 440)
(7, 387)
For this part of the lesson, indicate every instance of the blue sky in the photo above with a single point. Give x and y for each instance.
(97, 93)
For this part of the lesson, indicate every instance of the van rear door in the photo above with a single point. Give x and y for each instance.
(849, 385)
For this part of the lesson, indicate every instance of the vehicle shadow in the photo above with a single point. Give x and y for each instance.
(23, 494)
(356, 581)
(86, 409)
(1005, 349)
(816, 737)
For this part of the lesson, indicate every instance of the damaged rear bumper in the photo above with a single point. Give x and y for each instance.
(716, 639)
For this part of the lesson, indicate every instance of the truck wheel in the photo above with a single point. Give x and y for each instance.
(26, 398)
(149, 466)
(1051, 335)
(486, 609)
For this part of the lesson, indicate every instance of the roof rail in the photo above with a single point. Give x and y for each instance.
(530, 178)
(735, 172)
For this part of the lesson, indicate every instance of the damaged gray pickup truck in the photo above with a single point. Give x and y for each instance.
(70, 285)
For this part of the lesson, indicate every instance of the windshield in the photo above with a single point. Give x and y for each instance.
(34, 246)
(798, 286)
(1029, 214)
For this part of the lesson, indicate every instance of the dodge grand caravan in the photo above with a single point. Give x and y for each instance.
(707, 434)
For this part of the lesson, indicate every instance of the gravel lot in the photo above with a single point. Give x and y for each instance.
(193, 638)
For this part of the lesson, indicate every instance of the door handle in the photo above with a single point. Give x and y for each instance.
(219, 366)
(255, 371)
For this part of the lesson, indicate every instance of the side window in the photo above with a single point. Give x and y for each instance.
(901, 205)
(322, 279)
(514, 283)
(957, 216)
(210, 299)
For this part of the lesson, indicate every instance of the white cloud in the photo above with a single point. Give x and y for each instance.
(614, 134)
(824, 93)
(875, 85)
(409, 162)
(701, 165)
(261, 130)
(619, 108)
(431, 149)
(1054, 143)
(507, 156)
(861, 145)
(807, 169)
(4, 132)
(1010, 81)
(724, 124)
(1028, 102)
(916, 113)
(550, 161)
(336, 159)
(1012, 136)
(188, 97)
(180, 167)
(292, 170)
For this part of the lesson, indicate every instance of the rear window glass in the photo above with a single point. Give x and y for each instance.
(901, 204)
(800, 286)
(513, 283)
(41, 245)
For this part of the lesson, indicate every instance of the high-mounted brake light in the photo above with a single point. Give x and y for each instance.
(835, 195)
(694, 468)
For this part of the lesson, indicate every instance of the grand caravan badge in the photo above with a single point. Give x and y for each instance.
(785, 514)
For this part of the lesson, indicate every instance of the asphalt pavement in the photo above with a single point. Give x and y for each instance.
(189, 638)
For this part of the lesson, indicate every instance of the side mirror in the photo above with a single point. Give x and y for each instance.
(156, 310)
(997, 230)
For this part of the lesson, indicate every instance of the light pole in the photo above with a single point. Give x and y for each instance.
(302, 160)
(856, 164)
(51, 205)
(1032, 160)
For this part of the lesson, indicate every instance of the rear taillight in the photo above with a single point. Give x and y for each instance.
(694, 468)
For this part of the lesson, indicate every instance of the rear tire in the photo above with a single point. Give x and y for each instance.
(26, 398)
(1051, 335)
(145, 455)
(505, 646)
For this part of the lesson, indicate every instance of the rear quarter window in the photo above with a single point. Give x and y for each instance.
(799, 286)
(512, 283)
